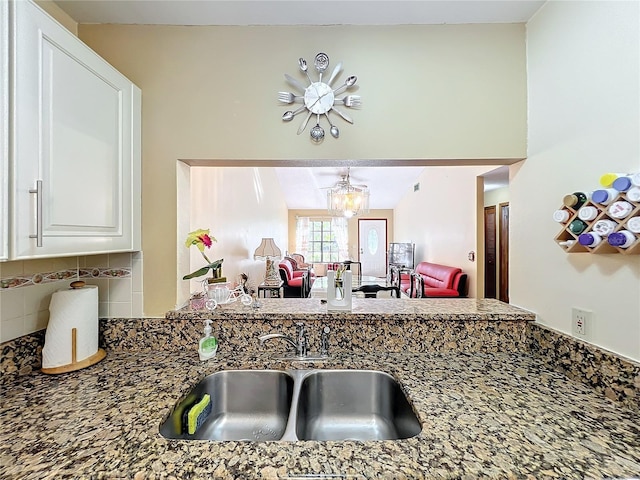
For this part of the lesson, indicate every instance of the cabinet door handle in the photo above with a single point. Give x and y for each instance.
(38, 192)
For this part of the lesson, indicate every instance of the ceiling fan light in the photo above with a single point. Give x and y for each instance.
(347, 201)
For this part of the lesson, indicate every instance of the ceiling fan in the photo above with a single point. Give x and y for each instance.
(344, 182)
(346, 199)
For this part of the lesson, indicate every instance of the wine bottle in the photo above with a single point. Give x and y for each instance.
(561, 216)
(604, 227)
(607, 179)
(574, 200)
(622, 184)
(620, 209)
(587, 213)
(622, 239)
(604, 196)
(590, 239)
(633, 194)
(633, 224)
(577, 226)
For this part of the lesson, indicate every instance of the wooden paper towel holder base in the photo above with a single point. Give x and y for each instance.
(75, 365)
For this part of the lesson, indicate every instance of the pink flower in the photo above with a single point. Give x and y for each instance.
(206, 239)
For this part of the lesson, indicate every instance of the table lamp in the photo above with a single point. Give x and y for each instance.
(268, 250)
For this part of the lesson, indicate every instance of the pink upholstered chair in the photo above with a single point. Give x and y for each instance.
(300, 260)
(294, 285)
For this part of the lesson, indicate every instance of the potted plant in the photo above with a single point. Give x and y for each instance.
(201, 239)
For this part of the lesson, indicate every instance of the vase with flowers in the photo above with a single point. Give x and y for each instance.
(202, 240)
(339, 289)
(339, 283)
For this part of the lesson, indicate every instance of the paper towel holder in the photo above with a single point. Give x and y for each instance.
(58, 346)
(75, 365)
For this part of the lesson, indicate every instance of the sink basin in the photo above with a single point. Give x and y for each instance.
(274, 405)
(245, 405)
(353, 405)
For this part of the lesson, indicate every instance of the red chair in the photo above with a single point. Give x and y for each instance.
(296, 282)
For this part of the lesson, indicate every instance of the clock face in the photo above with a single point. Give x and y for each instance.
(318, 98)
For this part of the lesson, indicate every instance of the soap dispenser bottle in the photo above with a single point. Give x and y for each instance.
(208, 345)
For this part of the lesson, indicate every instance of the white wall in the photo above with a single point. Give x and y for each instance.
(440, 218)
(240, 205)
(583, 61)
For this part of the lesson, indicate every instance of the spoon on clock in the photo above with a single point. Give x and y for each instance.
(350, 81)
(303, 66)
(334, 130)
(288, 115)
(321, 62)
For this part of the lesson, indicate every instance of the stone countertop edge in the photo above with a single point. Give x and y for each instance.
(459, 309)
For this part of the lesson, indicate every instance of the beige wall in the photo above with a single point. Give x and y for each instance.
(446, 91)
(440, 218)
(584, 73)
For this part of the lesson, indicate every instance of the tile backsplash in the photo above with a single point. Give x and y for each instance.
(26, 288)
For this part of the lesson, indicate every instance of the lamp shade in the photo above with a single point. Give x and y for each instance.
(266, 249)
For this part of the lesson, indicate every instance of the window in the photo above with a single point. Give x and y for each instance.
(323, 246)
(322, 240)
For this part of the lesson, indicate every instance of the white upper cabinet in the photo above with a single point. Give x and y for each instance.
(75, 145)
(4, 130)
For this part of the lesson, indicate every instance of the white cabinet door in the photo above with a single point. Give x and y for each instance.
(4, 129)
(76, 148)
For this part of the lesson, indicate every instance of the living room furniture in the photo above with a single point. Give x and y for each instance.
(294, 285)
(400, 277)
(299, 259)
(319, 289)
(401, 254)
(299, 268)
(371, 291)
(271, 291)
(435, 280)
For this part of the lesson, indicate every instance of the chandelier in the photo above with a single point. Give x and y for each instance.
(347, 200)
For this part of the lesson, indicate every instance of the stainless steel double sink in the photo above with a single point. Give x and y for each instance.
(293, 405)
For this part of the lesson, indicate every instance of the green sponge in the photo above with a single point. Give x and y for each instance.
(198, 414)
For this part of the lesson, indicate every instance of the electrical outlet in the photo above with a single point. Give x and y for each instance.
(580, 321)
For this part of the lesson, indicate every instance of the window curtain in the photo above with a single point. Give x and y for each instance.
(339, 227)
(302, 236)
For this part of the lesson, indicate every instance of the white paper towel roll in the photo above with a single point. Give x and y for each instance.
(69, 309)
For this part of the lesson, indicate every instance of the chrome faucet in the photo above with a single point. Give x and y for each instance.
(300, 345)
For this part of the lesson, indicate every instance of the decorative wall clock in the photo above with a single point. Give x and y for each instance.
(319, 98)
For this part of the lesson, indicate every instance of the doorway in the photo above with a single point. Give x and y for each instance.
(490, 252)
(503, 242)
(372, 245)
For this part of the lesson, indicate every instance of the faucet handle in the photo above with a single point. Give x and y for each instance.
(324, 342)
(301, 330)
(302, 339)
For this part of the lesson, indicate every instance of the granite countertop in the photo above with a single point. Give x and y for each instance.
(484, 415)
(470, 309)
